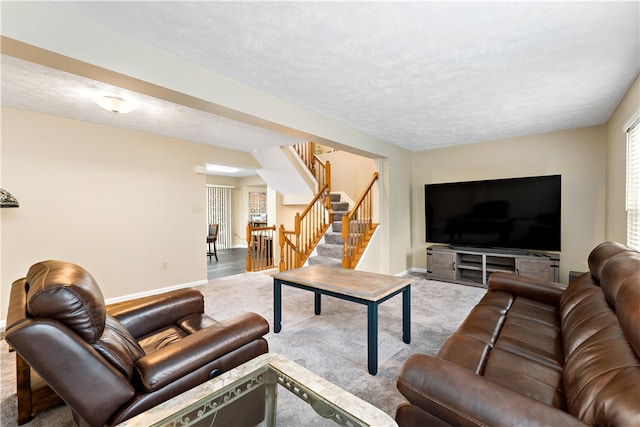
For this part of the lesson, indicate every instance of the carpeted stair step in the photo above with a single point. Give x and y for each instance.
(324, 260)
(333, 237)
(337, 215)
(330, 250)
(340, 206)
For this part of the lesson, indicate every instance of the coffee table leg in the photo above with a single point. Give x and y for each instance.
(316, 303)
(372, 337)
(406, 315)
(272, 397)
(277, 305)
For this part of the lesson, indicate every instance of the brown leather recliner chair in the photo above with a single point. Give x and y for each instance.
(110, 363)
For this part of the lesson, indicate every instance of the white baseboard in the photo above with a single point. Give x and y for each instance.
(155, 291)
(3, 323)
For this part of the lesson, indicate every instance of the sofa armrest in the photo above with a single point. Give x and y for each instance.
(174, 361)
(536, 289)
(460, 397)
(142, 316)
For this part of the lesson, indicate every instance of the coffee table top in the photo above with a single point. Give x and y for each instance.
(360, 284)
(324, 397)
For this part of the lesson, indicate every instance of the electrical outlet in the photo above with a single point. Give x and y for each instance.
(165, 265)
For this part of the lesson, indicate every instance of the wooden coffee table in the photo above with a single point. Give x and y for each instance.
(361, 287)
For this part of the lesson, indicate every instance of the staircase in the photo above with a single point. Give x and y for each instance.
(328, 231)
(330, 250)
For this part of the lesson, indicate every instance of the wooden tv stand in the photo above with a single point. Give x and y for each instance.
(472, 266)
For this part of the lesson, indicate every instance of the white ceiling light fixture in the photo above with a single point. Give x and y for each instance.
(221, 168)
(116, 104)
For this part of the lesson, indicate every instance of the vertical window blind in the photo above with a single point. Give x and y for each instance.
(219, 212)
(633, 184)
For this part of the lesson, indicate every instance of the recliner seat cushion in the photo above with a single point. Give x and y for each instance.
(161, 338)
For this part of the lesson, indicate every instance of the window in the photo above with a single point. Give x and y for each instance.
(258, 206)
(633, 184)
(219, 212)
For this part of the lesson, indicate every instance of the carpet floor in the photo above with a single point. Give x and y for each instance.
(332, 345)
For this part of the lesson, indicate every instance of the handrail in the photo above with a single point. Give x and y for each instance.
(317, 166)
(309, 227)
(358, 227)
(306, 151)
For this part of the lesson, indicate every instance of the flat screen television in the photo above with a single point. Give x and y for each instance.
(514, 213)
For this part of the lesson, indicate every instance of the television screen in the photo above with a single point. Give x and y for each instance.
(515, 213)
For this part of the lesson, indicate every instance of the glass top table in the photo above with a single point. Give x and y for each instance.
(293, 396)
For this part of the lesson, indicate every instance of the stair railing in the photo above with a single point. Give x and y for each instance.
(260, 245)
(309, 226)
(358, 227)
(317, 167)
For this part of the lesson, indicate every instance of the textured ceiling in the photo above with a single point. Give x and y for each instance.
(67, 95)
(417, 74)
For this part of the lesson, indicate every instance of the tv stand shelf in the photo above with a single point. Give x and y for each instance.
(473, 266)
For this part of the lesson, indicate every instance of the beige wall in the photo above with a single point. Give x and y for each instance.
(616, 218)
(349, 172)
(578, 155)
(119, 203)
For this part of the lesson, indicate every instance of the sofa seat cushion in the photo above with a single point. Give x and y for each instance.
(513, 341)
(524, 375)
(535, 337)
(539, 312)
(527, 356)
(472, 342)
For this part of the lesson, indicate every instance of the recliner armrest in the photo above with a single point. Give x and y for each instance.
(96, 389)
(142, 316)
(17, 303)
(461, 397)
(536, 289)
(172, 362)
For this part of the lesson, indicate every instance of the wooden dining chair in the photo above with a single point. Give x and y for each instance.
(212, 238)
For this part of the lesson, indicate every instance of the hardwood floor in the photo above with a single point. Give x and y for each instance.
(230, 262)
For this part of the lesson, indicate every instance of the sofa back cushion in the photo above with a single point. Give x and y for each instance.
(620, 281)
(67, 293)
(601, 254)
(600, 331)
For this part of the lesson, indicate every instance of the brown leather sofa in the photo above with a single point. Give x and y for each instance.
(110, 363)
(538, 354)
